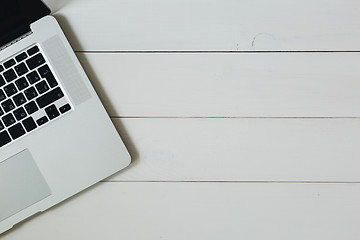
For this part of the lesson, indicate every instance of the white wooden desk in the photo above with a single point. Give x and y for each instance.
(242, 117)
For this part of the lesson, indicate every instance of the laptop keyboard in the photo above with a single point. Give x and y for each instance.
(30, 96)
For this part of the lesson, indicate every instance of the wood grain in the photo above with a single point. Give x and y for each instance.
(201, 125)
(227, 85)
(208, 25)
(196, 211)
(241, 149)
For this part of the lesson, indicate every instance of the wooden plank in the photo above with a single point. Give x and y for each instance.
(227, 85)
(125, 25)
(196, 211)
(241, 149)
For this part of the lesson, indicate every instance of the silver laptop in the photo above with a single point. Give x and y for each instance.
(56, 138)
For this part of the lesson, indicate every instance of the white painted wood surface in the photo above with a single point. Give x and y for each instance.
(210, 211)
(210, 24)
(294, 117)
(227, 85)
(241, 149)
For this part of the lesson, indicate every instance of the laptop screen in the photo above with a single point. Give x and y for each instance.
(17, 15)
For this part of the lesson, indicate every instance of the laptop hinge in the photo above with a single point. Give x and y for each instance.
(15, 36)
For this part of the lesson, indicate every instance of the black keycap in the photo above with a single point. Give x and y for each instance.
(1, 68)
(45, 72)
(35, 61)
(2, 95)
(21, 69)
(1, 113)
(10, 89)
(65, 108)
(33, 50)
(19, 99)
(19, 114)
(21, 57)
(29, 124)
(4, 138)
(52, 81)
(8, 120)
(33, 77)
(49, 97)
(8, 105)
(2, 81)
(52, 112)
(30, 93)
(42, 87)
(21, 83)
(1, 126)
(31, 107)
(17, 131)
(9, 63)
(42, 121)
(9, 75)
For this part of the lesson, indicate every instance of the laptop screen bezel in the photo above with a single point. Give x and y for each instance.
(17, 15)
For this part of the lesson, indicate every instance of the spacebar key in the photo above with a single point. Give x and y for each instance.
(49, 97)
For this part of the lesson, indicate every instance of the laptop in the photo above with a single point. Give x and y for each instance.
(56, 138)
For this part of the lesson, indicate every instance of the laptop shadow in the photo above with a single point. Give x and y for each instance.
(56, 5)
(74, 41)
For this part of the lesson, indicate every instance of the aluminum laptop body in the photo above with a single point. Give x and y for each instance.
(56, 138)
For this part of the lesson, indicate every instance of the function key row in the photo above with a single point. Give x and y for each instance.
(9, 63)
(19, 58)
(33, 50)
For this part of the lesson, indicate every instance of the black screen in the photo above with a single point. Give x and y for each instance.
(17, 15)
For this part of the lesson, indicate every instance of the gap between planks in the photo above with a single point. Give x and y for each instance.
(214, 51)
(183, 117)
(237, 182)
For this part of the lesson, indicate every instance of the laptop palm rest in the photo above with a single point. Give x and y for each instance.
(21, 184)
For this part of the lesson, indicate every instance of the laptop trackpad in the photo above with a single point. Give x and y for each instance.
(21, 184)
